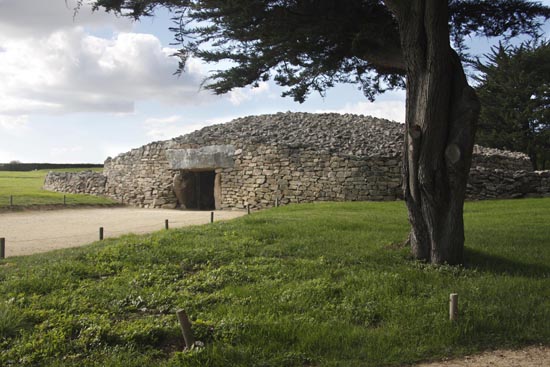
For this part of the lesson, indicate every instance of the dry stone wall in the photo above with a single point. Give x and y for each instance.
(492, 159)
(263, 175)
(86, 182)
(141, 177)
(485, 183)
(300, 157)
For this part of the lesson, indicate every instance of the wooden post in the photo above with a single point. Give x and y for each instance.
(185, 326)
(453, 307)
(2, 248)
(248, 208)
(211, 217)
(64, 199)
(276, 202)
(101, 233)
(166, 224)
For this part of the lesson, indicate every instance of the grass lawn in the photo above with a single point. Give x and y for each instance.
(303, 285)
(26, 189)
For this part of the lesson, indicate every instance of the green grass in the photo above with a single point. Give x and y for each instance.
(26, 189)
(307, 285)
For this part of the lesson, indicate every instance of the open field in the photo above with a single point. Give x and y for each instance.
(31, 232)
(26, 189)
(303, 285)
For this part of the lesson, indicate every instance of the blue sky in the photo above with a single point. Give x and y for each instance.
(82, 89)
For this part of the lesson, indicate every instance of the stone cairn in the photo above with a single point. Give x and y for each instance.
(295, 158)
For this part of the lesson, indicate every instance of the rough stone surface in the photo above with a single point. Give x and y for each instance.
(85, 182)
(208, 157)
(297, 157)
(486, 183)
(490, 158)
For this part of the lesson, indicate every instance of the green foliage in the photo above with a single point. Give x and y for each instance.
(11, 321)
(313, 284)
(26, 189)
(312, 45)
(514, 91)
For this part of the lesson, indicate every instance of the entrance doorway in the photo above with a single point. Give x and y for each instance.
(195, 190)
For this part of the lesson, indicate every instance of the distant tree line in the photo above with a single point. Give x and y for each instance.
(18, 166)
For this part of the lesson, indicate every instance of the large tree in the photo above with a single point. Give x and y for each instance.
(514, 91)
(309, 45)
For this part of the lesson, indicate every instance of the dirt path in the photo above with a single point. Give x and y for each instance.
(39, 231)
(535, 356)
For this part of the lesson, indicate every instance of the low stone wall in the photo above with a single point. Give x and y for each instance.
(491, 158)
(263, 174)
(86, 182)
(141, 177)
(486, 183)
(260, 174)
(292, 158)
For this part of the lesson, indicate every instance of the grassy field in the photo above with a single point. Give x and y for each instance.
(302, 285)
(26, 189)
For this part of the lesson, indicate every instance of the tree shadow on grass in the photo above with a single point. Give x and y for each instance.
(499, 265)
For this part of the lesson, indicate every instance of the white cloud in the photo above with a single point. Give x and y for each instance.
(6, 157)
(240, 95)
(163, 128)
(31, 18)
(15, 125)
(170, 127)
(72, 71)
(154, 121)
(391, 110)
(113, 149)
(65, 151)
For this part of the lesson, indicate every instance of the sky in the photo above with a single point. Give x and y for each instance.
(80, 88)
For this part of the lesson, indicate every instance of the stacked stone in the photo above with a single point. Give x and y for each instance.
(498, 173)
(141, 177)
(491, 158)
(86, 182)
(264, 174)
(486, 183)
(332, 133)
(302, 157)
(543, 187)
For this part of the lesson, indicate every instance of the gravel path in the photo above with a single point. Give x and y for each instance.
(39, 231)
(534, 356)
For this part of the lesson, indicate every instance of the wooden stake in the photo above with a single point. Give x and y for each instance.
(64, 199)
(276, 202)
(211, 217)
(453, 307)
(2, 248)
(101, 233)
(166, 224)
(248, 208)
(185, 326)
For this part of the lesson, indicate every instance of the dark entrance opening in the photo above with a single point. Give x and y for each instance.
(197, 190)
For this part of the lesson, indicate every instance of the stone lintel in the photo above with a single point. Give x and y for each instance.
(204, 158)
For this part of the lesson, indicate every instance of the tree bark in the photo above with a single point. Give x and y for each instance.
(441, 118)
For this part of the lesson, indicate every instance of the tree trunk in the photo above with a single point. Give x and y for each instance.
(441, 117)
